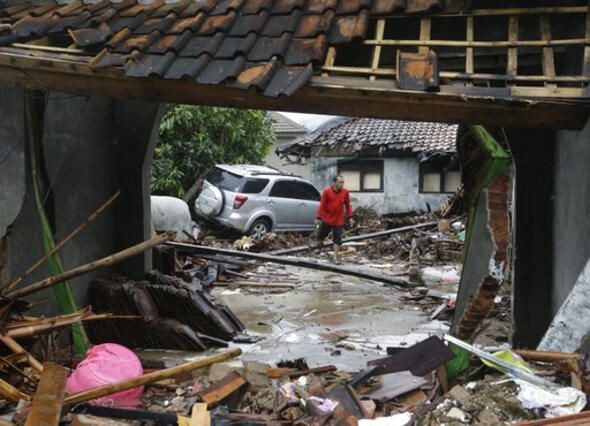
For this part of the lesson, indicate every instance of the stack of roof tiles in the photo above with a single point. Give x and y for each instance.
(271, 45)
(394, 135)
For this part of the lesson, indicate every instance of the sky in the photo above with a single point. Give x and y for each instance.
(309, 121)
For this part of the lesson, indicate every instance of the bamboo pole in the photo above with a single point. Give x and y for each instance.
(89, 267)
(546, 356)
(31, 330)
(150, 377)
(11, 394)
(479, 44)
(63, 242)
(18, 349)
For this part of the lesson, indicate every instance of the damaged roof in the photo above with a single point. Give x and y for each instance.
(284, 126)
(363, 133)
(273, 46)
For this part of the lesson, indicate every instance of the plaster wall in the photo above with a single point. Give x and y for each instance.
(401, 179)
(93, 147)
(571, 226)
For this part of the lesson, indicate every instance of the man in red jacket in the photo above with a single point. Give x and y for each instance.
(330, 214)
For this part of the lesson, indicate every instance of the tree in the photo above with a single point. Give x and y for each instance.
(195, 138)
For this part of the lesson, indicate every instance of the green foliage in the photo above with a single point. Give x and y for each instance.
(194, 138)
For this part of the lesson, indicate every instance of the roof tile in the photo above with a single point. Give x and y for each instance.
(43, 9)
(176, 8)
(68, 9)
(233, 46)
(320, 6)
(349, 27)
(14, 10)
(196, 7)
(421, 6)
(352, 6)
(267, 47)
(30, 26)
(131, 22)
(138, 8)
(312, 25)
(196, 46)
(149, 65)
(213, 24)
(286, 6)
(170, 42)
(223, 6)
(136, 42)
(218, 71)
(287, 80)
(255, 75)
(246, 24)
(190, 23)
(252, 7)
(156, 24)
(278, 24)
(187, 67)
(70, 22)
(91, 36)
(384, 7)
(304, 50)
(118, 38)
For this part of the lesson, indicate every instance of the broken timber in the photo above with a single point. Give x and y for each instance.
(355, 238)
(47, 403)
(89, 267)
(302, 263)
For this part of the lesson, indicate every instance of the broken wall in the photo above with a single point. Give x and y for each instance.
(93, 146)
(401, 179)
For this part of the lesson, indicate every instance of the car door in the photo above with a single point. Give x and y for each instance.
(309, 201)
(282, 202)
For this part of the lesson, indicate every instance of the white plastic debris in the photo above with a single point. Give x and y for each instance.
(556, 401)
(444, 274)
(457, 414)
(401, 419)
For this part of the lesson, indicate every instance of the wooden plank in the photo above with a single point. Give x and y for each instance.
(323, 95)
(469, 61)
(481, 44)
(379, 31)
(425, 29)
(411, 399)
(200, 415)
(223, 388)
(547, 52)
(586, 64)
(302, 263)
(330, 59)
(509, 11)
(512, 62)
(47, 403)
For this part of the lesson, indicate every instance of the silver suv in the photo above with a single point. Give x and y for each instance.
(257, 199)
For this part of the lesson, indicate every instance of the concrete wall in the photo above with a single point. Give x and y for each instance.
(571, 226)
(273, 159)
(93, 146)
(400, 183)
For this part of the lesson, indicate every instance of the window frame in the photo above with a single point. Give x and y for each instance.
(426, 168)
(363, 167)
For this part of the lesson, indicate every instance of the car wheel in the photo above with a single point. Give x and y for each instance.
(259, 229)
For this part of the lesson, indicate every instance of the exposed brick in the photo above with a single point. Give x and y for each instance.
(498, 186)
(498, 206)
(497, 197)
(504, 178)
(499, 216)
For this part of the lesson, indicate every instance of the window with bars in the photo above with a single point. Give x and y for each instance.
(362, 175)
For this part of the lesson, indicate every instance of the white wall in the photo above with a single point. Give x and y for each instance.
(400, 186)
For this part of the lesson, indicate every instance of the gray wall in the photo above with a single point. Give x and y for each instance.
(273, 159)
(93, 146)
(400, 183)
(571, 226)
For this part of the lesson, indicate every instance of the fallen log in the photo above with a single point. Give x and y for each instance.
(89, 267)
(302, 263)
(48, 400)
(387, 232)
(63, 242)
(149, 377)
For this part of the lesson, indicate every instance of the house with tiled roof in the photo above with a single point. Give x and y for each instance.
(392, 166)
(285, 130)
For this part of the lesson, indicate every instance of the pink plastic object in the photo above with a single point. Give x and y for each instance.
(104, 364)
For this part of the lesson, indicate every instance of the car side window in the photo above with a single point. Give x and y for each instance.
(305, 191)
(282, 189)
(254, 186)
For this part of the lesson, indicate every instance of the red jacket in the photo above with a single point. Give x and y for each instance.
(332, 205)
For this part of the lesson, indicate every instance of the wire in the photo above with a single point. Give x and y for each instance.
(15, 146)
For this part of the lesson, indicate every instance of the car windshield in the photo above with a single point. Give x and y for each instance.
(224, 179)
